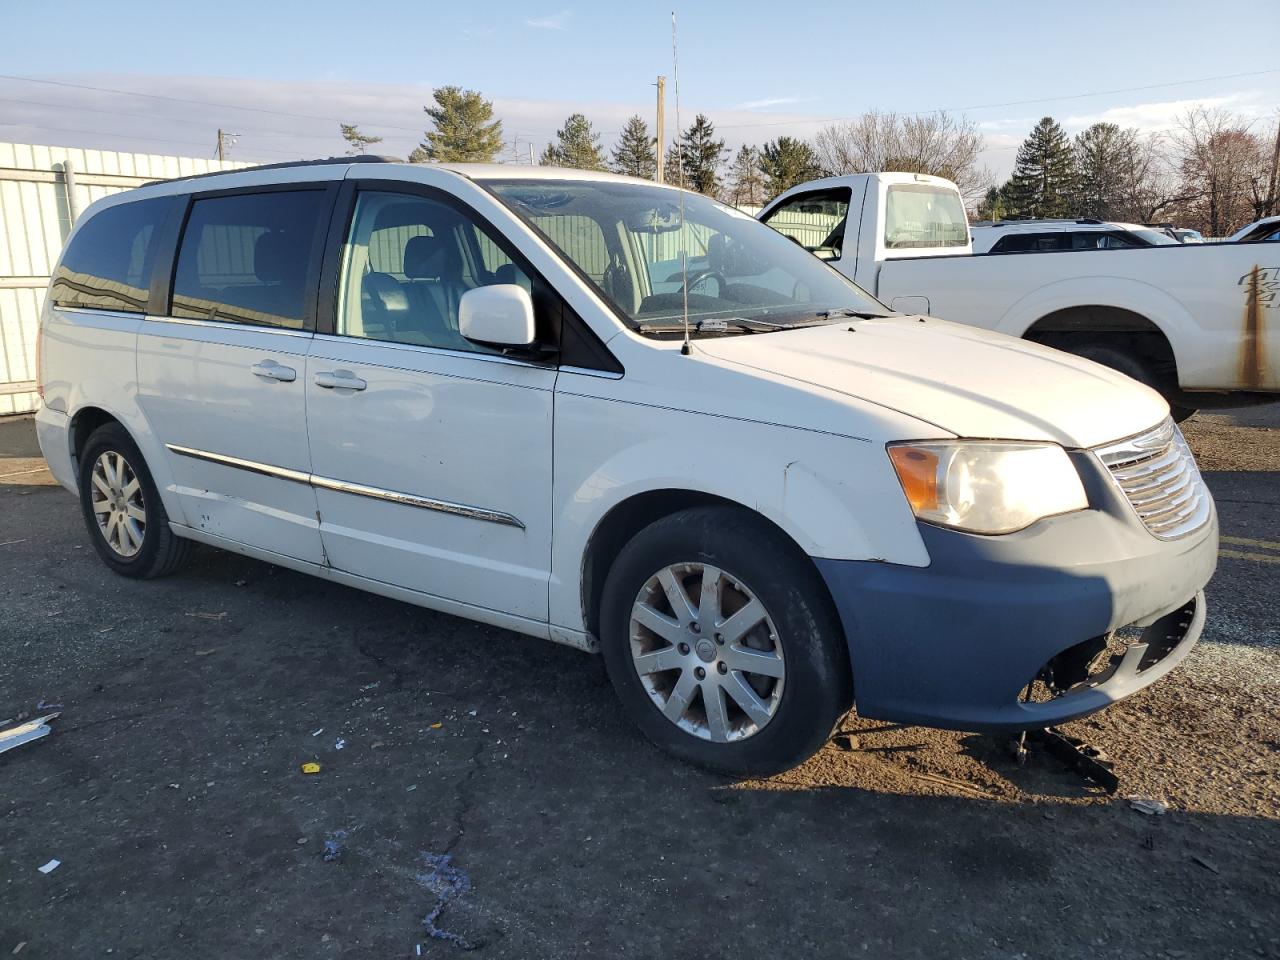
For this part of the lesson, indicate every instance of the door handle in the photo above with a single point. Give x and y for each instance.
(339, 380)
(274, 371)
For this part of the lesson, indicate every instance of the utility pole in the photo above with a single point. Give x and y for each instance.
(220, 151)
(658, 174)
(226, 141)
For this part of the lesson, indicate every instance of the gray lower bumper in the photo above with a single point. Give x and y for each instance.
(953, 644)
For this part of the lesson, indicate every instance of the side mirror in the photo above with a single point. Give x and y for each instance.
(500, 315)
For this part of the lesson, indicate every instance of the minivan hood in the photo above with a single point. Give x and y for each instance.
(970, 382)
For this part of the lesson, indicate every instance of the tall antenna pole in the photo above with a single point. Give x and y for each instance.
(684, 245)
(658, 174)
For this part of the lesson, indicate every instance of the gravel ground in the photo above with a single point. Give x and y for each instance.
(171, 787)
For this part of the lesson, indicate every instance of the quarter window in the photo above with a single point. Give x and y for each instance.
(247, 258)
(406, 264)
(107, 266)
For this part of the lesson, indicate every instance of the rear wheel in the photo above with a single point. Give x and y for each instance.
(122, 510)
(721, 642)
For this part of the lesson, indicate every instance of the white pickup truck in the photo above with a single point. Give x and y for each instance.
(1200, 323)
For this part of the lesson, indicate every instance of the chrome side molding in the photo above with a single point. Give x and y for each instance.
(355, 489)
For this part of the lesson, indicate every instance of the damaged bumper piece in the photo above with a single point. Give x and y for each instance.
(956, 644)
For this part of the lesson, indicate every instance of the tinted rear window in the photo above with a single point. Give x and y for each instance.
(107, 265)
(247, 258)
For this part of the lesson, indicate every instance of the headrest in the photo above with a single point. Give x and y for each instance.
(422, 258)
(272, 257)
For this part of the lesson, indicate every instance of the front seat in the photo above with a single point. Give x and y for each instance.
(434, 267)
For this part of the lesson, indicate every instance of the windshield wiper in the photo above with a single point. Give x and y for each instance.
(839, 312)
(718, 325)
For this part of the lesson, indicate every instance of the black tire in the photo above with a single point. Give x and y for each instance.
(1135, 368)
(817, 689)
(160, 552)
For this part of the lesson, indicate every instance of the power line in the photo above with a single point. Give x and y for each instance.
(129, 136)
(1012, 103)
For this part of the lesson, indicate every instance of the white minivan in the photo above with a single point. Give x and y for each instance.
(607, 413)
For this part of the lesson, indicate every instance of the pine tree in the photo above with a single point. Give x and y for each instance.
(465, 130)
(1043, 181)
(787, 162)
(671, 172)
(357, 141)
(1109, 170)
(701, 155)
(576, 145)
(635, 155)
(746, 183)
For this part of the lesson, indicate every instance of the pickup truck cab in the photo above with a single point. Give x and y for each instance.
(1200, 323)
(758, 494)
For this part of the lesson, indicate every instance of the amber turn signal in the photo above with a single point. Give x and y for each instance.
(918, 472)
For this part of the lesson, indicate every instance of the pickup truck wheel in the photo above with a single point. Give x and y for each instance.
(721, 644)
(122, 509)
(1133, 367)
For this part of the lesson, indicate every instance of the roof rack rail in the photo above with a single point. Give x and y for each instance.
(358, 158)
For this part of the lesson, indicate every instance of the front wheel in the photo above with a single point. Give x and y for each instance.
(721, 642)
(122, 508)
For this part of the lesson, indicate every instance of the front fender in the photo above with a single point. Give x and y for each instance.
(835, 496)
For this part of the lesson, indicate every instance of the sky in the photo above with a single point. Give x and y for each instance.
(138, 76)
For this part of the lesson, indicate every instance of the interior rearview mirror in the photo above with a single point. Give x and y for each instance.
(500, 315)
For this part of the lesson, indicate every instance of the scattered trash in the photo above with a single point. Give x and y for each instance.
(333, 845)
(1148, 806)
(205, 653)
(846, 741)
(970, 788)
(339, 744)
(26, 732)
(174, 786)
(301, 841)
(241, 582)
(51, 866)
(207, 616)
(1085, 759)
(18, 949)
(437, 725)
(318, 732)
(417, 952)
(411, 788)
(448, 883)
(41, 705)
(1148, 842)
(1205, 863)
(471, 713)
(311, 768)
(10, 543)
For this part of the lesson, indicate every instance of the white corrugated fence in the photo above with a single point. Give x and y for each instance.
(36, 213)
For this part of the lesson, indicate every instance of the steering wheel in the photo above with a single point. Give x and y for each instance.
(702, 277)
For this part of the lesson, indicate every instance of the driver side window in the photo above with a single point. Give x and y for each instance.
(815, 220)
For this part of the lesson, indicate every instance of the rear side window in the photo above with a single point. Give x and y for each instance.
(247, 258)
(107, 265)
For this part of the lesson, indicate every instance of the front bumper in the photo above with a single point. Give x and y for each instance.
(954, 644)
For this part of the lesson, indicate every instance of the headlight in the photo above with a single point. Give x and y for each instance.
(987, 487)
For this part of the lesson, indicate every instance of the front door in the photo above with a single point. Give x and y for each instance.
(431, 455)
(220, 379)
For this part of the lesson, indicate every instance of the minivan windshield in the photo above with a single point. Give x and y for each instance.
(628, 241)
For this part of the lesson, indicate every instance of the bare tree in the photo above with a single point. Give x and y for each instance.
(935, 143)
(1223, 169)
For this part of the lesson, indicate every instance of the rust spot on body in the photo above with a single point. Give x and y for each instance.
(1252, 348)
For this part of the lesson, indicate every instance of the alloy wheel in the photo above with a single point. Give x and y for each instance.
(707, 652)
(117, 504)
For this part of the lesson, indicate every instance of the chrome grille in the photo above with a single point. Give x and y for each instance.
(1159, 476)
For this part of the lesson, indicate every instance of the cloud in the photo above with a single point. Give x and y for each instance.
(556, 21)
(1163, 115)
(765, 104)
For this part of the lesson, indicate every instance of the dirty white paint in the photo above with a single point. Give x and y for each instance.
(35, 219)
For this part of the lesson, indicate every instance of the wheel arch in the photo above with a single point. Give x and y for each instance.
(629, 516)
(83, 423)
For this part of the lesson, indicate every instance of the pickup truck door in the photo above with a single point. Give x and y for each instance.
(431, 455)
(220, 376)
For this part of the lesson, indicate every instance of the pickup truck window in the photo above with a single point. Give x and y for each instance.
(814, 220)
(626, 240)
(919, 215)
